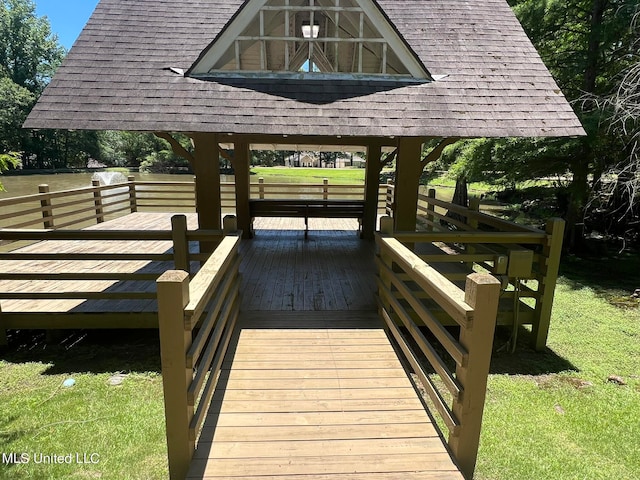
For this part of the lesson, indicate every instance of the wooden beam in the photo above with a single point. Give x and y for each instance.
(307, 139)
(408, 171)
(207, 172)
(176, 147)
(240, 163)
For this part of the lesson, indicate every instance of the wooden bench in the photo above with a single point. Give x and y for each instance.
(307, 209)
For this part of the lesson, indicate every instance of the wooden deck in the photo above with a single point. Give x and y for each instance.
(311, 388)
(317, 395)
(330, 270)
(134, 221)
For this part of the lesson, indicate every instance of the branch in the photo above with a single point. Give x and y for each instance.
(175, 146)
(389, 158)
(225, 153)
(434, 154)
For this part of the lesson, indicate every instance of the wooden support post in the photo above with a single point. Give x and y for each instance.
(133, 199)
(180, 242)
(431, 193)
(241, 155)
(474, 207)
(408, 171)
(206, 165)
(390, 206)
(261, 188)
(175, 341)
(482, 292)
(4, 341)
(47, 207)
(97, 201)
(325, 189)
(386, 228)
(229, 225)
(371, 190)
(550, 264)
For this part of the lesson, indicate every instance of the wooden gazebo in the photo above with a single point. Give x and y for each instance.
(306, 74)
(377, 75)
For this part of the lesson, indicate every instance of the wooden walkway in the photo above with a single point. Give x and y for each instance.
(311, 387)
(317, 395)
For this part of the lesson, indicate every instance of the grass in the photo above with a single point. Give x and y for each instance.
(550, 415)
(119, 427)
(555, 414)
(310, 175)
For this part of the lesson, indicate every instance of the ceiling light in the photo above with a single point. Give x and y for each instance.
(309, 31)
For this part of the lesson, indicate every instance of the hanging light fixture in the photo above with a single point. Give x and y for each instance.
(310, 31)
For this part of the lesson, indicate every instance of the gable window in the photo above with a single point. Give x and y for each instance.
(310, 36)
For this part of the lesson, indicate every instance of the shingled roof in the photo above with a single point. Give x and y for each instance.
(123, 74)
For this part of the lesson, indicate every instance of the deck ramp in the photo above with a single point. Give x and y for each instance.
(317, 395)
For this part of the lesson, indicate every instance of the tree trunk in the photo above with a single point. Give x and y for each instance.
(578, 194)
(594, 45)
(460, 197)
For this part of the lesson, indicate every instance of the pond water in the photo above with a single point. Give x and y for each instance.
(19, 185)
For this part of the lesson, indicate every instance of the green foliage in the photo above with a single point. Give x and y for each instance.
(29, 52)
(128, 148)
(29, 55)
(591, 48)
(165, 161)
(8, 160)
(15, 102)
(312, 175)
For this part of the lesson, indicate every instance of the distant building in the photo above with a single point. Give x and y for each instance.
(302, 159)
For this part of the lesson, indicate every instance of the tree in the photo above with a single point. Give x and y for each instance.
(587, 45)
(29, 51)
(8, 160)
(29, 55)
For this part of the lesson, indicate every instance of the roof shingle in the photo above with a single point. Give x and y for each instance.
(117, 77)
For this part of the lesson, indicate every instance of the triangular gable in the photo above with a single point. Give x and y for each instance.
(333, 37)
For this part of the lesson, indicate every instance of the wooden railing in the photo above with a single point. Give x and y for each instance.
(526, 259)
(94, 273)
(81, 207)
(410, 294)
(191, 359)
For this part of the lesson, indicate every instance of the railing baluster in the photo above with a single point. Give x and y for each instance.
(47, 207)
(97, 201)
(133, 199)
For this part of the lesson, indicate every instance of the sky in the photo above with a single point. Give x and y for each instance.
(67, 17)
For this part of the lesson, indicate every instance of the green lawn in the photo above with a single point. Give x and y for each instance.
(549, 415)
(309, 175)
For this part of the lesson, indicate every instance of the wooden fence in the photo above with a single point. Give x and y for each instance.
(457, 240)
(81, 207)
(410, 294)
(191, 359)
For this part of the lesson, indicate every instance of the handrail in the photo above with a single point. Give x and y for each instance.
(178, 238)
(191, 361)
(403, 283)
(526, 258)
(73, 208)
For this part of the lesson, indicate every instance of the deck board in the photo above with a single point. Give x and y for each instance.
(332, 269)
(316, 395)
(280, 269)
